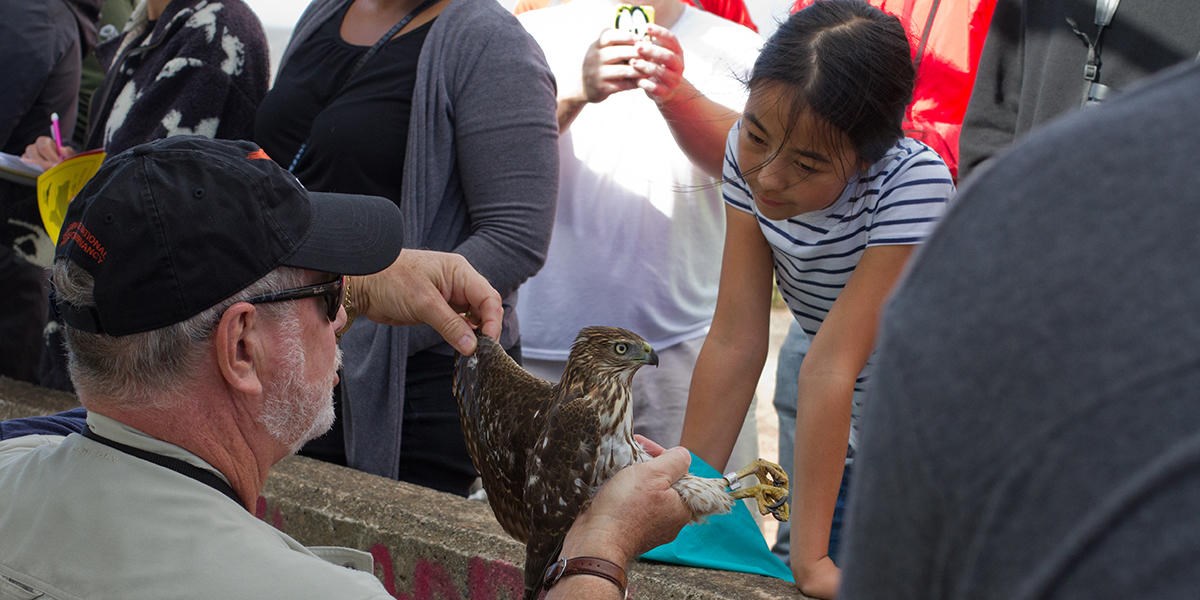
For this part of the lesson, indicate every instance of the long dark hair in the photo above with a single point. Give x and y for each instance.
(847, 62)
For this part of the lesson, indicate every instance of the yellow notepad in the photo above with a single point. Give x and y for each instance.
(59, 184)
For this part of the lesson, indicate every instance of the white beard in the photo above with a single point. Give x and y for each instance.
(296, 411)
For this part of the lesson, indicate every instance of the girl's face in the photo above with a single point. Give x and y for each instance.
(792, 168)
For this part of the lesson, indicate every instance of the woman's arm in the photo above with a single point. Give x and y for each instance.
(506, 137)
(826, 387)
(736, 347)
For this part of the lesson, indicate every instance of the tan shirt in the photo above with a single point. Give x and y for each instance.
(81, 520)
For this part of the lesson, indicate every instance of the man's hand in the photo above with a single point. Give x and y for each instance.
(660, 65)
(818, 579)
(439, 289)
(43, 153)
(634, 511)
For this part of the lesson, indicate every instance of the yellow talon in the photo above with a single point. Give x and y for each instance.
(771, 493)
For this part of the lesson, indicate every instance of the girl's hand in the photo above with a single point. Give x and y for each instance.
(660, 65)
(43, 153)
(818, 579)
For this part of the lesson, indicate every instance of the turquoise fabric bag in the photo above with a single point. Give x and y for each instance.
(731, 542)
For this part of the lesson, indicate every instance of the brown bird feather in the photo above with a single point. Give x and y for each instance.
(543, 450)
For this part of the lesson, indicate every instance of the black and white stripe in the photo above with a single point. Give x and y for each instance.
(897, 201)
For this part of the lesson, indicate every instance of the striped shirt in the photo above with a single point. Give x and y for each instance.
(897, 201)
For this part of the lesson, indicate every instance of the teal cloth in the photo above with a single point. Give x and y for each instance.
(731, 542)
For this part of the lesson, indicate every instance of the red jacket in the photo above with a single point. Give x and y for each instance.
(733, 10)
(947, 38)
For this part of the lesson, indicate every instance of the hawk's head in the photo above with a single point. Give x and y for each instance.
(610, 353)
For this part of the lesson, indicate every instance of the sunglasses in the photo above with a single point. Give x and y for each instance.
(331, 292)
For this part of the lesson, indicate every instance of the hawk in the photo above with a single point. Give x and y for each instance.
(543, 450)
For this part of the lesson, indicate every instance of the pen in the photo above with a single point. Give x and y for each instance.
(56, 133)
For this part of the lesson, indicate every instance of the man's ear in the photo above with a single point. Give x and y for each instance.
(240, 341)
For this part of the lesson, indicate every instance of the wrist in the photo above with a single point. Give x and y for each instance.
(574, 102)
(354, 300)
(590, 566)
(590, 537)
(674, 105)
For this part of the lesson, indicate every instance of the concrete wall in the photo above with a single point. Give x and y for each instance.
(427, 545)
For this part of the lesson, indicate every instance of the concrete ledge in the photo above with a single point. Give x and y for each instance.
(427, 545)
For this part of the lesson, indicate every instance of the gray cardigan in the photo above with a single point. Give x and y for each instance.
(480, 180)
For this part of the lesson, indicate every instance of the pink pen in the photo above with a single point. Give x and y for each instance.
(56, 133)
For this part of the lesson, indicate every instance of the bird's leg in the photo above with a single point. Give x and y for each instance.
(771, 491)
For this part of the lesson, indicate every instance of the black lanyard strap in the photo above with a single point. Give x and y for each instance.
(183, 468)
(1105, 9)
(362, 60)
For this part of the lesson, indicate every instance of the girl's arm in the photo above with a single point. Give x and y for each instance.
(736, 347)
(826, 386)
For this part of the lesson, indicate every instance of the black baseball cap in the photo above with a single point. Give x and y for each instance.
(170, 228)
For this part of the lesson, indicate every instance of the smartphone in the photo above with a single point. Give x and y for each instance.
(634, 19)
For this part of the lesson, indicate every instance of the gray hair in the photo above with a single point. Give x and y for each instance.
(150, 368)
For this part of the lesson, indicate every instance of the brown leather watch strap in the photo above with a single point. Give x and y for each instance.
(584, 565)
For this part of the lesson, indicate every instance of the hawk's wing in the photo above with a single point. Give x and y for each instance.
(562, 478)
(502, 408)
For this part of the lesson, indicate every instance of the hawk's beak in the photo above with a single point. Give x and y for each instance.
(651, 356)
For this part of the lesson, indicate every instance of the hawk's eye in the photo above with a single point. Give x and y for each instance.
(621, 348)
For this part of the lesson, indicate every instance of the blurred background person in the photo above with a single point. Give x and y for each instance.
(43, 44)
(1035, 432)
(446, 107)
(637, 237)
(113, 16)
(1044, 58)
(179, 67)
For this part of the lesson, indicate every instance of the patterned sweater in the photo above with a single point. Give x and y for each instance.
(201, 68)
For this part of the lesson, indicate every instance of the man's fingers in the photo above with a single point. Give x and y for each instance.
(457, 331)
(650, 446)
(490, 313)
(435, 288)
(483, 301)
(672, 463)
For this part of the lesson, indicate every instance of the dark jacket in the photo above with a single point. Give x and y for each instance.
(1032, 65)
(201, 68)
